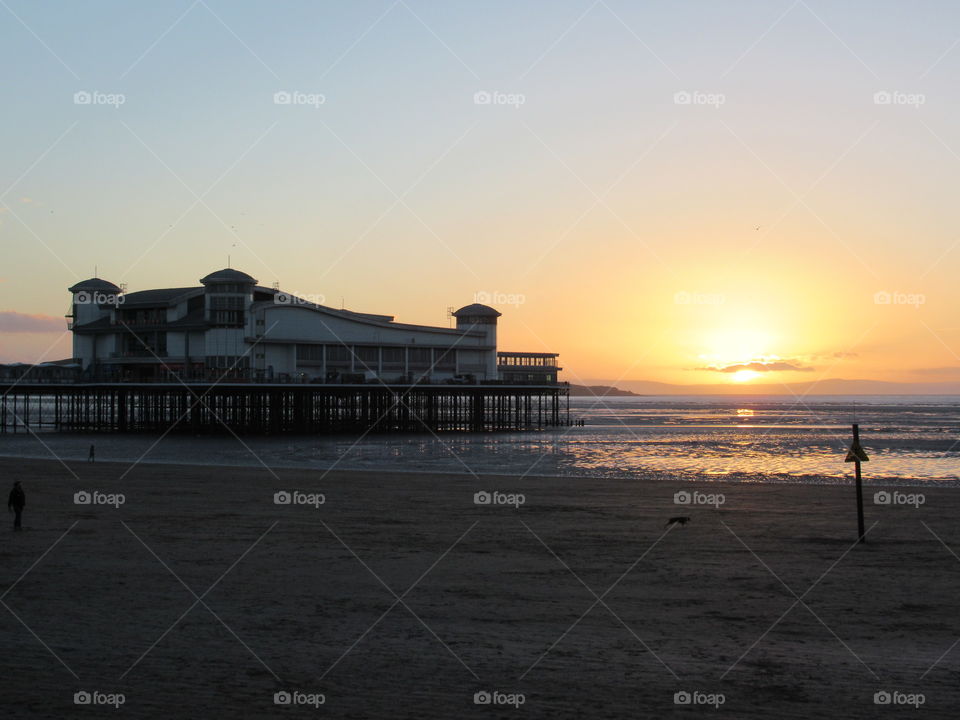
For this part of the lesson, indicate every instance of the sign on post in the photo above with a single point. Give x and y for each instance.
(857, 455)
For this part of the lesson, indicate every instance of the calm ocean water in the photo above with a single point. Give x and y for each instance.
(748, 439)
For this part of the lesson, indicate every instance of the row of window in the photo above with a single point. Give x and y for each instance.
(525, 361)
(227, 302)
(228, 288)
(144, 344)
(149, 316)
(518, 377)
(362, 356)
(224, 362)
(227, 318)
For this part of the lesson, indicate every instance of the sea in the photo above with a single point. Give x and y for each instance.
(775, 438)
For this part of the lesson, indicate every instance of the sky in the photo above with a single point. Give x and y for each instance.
(740, 193)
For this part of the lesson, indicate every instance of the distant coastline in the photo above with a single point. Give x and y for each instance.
(828, 386)
(600, 391)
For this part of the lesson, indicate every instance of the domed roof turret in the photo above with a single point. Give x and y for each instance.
(228, 275)
(477, 310)
(95, 285)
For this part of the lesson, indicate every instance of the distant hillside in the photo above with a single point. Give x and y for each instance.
(831, 386)
(597, 391)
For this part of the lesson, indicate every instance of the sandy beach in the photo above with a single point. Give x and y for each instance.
(399, 596)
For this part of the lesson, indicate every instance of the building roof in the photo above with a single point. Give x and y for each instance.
(477, 310)
(228, 275)
(95, 285)
(195, 319)
(381, 321)
(160, 296)
(510, 353)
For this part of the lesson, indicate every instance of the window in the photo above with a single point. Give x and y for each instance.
(338, 356)
(227, 311)
(228, 288)
(392, 357)
(227, 302)
(445, 359)
(225, 362)
(310, 353)
(149, 316)
(367, 355)
(145, 344)
(419, 357)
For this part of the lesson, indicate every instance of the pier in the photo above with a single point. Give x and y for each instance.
(269, 409)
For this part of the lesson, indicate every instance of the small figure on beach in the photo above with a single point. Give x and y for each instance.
(92, 456)
(679, 520)
(15, 504)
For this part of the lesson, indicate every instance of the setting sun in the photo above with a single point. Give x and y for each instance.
(737, 344)
(742, 376)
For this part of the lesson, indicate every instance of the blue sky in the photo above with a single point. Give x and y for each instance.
(597, 196)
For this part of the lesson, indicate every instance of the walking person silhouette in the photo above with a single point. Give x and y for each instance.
(15, 503)
(92, 456)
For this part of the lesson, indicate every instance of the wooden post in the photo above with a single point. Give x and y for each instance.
(856, 465)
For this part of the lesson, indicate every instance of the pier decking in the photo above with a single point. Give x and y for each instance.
(261, 408)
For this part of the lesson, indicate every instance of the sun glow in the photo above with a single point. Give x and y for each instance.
(732, 345)
(742, 376)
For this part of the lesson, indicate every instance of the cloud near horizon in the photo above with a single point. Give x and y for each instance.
(15, 322)
(757, 366)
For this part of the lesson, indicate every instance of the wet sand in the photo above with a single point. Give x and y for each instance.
(492, 598)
